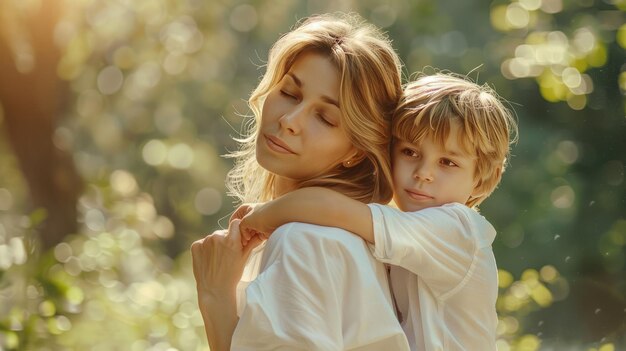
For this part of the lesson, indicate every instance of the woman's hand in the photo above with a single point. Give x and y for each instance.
(218, 263)
(219, 260)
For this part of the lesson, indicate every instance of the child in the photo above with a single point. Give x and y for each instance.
(451, 142)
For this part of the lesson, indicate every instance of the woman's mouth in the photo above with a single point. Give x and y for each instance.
(278, 145)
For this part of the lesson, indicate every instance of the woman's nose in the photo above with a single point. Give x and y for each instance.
(292, 120)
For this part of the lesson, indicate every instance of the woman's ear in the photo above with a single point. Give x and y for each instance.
(355, 159)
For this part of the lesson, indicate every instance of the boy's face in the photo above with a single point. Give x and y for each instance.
(429, 174)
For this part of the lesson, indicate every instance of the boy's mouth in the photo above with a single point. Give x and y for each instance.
(418, 195)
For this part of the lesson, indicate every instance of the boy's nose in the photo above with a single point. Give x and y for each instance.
(423, 173)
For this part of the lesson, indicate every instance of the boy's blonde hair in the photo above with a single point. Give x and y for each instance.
(370, 88)
(432, 102)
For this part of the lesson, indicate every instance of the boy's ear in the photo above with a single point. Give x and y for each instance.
(477, 193)
(479, 186)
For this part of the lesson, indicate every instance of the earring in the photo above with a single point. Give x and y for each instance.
(347, 163)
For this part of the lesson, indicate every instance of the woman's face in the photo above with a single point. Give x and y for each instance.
(301, 134)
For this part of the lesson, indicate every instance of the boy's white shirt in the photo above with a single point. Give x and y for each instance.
(316, 288)
(443, 274)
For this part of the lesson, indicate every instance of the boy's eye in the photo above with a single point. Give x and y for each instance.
(449, 163)
(409, 152)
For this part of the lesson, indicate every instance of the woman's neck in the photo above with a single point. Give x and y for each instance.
(283, 185)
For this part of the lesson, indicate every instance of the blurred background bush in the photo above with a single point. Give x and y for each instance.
(114, 115)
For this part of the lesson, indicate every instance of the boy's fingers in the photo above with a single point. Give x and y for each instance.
(240, 212)
(254, 242)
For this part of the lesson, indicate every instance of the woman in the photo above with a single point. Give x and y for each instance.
(322, 114)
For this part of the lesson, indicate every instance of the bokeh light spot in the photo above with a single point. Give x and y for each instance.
(552, 6)
(94, 220)
(180, 156)
(505, 279)
(621, 36)
(16, 245)
(512, 324)
(123, 183)
(528, 343)
(154, 152)
(62, 252)
(174, 63)
(541, 295)
(577, 102)
(208, 201)
(571, 77)
(110, 80)
(567, 151)
(63, 323)
(384, 15)
(598, 57)
(47, 308)
(243, 18)
(517, 16)
(163, 227)
(548, 273)
(530, 5)
(607, 347)
(6, 258)
(6, 199)
(584, 40)
(502, 345)
(562, 196)
(498, 16)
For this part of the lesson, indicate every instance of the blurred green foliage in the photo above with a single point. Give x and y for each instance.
(158, 90)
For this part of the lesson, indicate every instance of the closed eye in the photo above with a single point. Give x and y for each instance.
(288, 95)
(325, 120)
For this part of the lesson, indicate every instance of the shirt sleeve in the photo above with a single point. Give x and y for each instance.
(318, 290)
(438, 244)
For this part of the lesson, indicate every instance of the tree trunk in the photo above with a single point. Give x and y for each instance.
(32, 101)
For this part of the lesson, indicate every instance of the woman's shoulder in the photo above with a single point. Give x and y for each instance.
(305, 232)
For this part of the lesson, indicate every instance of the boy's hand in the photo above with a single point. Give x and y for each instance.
(241, 211)
(254, 224)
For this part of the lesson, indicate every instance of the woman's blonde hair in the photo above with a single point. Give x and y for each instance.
(370, 88)
(431, 102)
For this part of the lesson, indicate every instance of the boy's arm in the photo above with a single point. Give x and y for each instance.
(313, 205)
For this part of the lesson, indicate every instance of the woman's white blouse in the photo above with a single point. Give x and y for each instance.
(443, 275)
(316, 288)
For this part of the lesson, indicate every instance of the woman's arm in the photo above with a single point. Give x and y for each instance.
(313, 205)
(219, 313)
(218, 263)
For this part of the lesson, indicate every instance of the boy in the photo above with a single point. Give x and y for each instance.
(451, 142)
